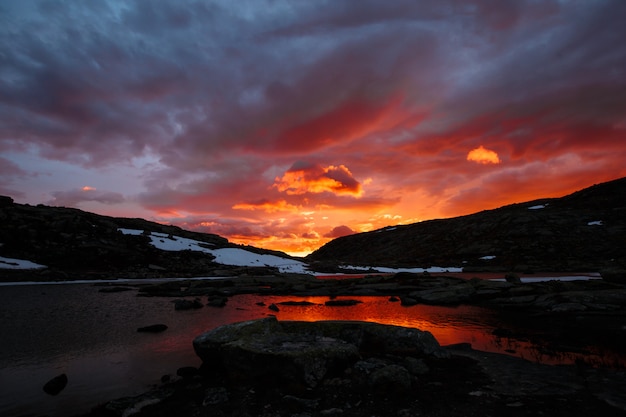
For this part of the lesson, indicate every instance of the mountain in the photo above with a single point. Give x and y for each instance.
(584, 231)
(74, 244)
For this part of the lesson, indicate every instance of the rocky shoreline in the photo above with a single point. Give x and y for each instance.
(270, 368)
(276, 368)
(600, 295)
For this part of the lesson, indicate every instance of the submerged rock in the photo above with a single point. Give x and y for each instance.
(297, 303)
(408, 301)
(217, 301)
(342, 303)
(187, 304)
(55, 385)
(153, 328)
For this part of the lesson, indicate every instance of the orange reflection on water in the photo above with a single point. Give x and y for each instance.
(448, 324)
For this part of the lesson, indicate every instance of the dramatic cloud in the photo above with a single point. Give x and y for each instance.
(304, 178)
(267, 206)
(482, 155)
(272, 122)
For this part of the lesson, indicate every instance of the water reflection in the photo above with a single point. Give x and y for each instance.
(92, 337)
(450, 325)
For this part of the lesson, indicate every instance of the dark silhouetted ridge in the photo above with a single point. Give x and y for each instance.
(585, 230)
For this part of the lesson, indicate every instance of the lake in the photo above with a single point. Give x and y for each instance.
(92, 337)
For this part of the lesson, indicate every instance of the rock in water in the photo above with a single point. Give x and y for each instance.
(342, 303)
(217, 301)
(187, 304)
(304, 353)
(153, 328)
(55, 385)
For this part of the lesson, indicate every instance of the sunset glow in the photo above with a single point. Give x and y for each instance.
(286, 124)
(483, 156)
(317, 179)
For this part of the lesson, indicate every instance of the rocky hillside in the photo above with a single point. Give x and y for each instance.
(73, 243)
(582, 231)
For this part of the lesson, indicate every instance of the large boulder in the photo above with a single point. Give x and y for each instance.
(372, 338)
(303, 353)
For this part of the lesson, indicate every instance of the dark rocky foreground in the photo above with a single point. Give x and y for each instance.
(342, 368)
(269, 367)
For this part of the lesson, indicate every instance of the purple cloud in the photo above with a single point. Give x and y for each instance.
(222, 98)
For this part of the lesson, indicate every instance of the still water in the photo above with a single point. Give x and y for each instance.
(92, 337)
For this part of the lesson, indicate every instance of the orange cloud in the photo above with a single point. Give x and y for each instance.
(304, 178)
(267, 206)
(88, 188)
(483, 155)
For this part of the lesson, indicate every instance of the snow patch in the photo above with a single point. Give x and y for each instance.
(10, 263)
(224, 256)
(487, 257)
(595, 223)
(537, 207)
(133, 232)
(383, 269)
(561, 278)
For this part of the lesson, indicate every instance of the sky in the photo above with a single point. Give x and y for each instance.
(285, 124)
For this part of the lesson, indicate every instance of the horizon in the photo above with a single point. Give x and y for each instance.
(182, 242)
(283, 125)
